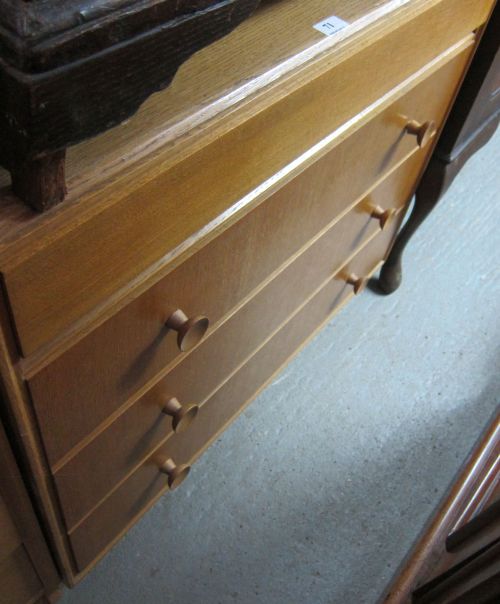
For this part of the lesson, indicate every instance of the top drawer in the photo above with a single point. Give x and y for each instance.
(89, 382)
(66, 275)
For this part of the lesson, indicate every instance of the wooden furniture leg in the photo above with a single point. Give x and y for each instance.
(428, 194)
(41, 182)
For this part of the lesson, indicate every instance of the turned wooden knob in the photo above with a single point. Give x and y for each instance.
(424, 132)
(383, 216)
(189, 331)
(358, 283)
(176, 474)
(182, 415)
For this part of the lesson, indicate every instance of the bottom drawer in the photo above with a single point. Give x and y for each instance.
(95, 533)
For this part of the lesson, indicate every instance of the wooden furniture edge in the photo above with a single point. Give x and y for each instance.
(150, 504)
(23, 515)
(421, 559)
(151, 383)
(177, 143)
(70, 86)
(146, 279)
(391, 275)
(31, 449)
(22, 424)
(453, 143)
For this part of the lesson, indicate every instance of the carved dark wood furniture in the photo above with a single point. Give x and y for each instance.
(70, 69)
(472, 122)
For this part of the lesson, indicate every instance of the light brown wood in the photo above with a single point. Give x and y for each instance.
(83, 481)
(73, 395)
(215, 80)
(84, 266)
(126, 502)
(241, 71)
(23, 430)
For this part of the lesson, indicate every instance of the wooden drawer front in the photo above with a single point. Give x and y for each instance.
(80, 389)
(85, 479)
(58, 282)
(19, 583)
(136, 494)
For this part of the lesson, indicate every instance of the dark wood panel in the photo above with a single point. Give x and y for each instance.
(475, 581)
(429, 558)
(19, 583)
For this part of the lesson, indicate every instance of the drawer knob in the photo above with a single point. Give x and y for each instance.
(383, 216)
(189, 331)
(182, 415)
(424, 132)
(358, 283)
(176, 474)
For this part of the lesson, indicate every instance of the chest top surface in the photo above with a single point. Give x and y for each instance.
(270, 54)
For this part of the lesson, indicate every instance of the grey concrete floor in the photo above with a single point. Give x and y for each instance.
(317, 491)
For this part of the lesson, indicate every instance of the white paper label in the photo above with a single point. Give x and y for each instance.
(331, 26)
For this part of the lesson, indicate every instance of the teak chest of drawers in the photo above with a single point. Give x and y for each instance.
(205, 241)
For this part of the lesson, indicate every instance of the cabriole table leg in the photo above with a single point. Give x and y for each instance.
(432, 187)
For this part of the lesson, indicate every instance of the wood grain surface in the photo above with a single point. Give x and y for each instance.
(207, 209)
(26, 567)
(69, 71)
(154, 222)
(134, 345)
(146, 484)
(9, 537)
(84, 480)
